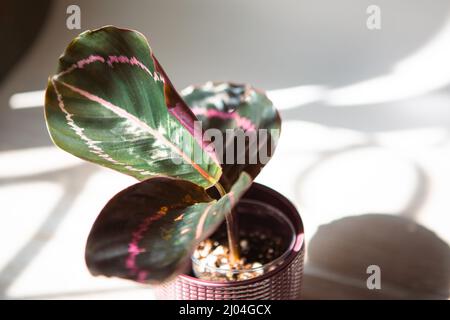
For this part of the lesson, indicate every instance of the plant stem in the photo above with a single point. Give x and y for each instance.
(233, 236)
(232, 230)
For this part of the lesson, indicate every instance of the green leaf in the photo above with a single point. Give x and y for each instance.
(240, 109)
(148, 231)
(112, 104)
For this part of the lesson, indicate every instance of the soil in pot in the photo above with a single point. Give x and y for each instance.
(265, 238)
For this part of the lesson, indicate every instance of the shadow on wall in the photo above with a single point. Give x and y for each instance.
(414, 262)
(19, 28)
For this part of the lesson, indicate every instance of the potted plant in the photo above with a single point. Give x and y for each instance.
(195, 225)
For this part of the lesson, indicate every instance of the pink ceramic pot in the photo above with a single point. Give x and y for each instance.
(284, 280)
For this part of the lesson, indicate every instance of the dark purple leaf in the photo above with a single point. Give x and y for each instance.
(244, 110)
(148, 231)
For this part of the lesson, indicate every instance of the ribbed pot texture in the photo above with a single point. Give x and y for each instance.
(282, 283)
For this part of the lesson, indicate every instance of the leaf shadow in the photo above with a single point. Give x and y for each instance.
(72, 180)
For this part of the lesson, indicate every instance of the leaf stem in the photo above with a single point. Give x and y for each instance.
(232, 230)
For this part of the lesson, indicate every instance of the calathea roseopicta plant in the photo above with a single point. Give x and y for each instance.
(111, 103)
